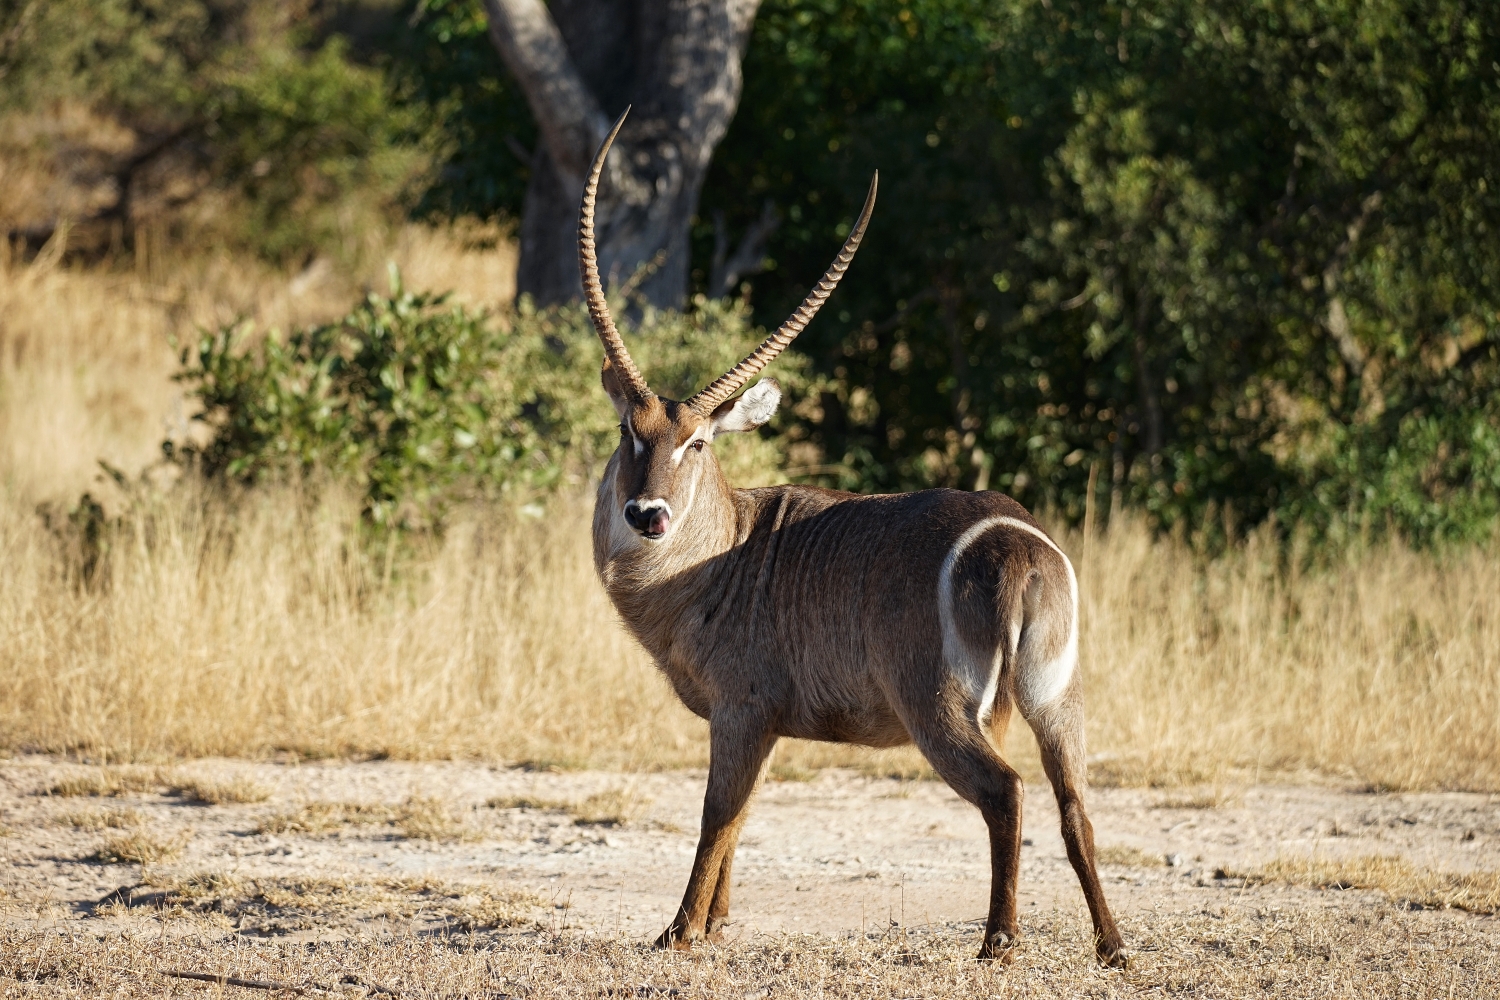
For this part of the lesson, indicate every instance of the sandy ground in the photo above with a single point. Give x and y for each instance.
(835, 854)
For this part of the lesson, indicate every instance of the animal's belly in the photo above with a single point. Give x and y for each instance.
(867, 723)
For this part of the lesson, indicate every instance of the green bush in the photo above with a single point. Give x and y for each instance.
(312, 148)
(250, 124)
(1211, 255)
(425, 404)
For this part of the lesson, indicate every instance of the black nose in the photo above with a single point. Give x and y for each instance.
(637, 518)
(650, 521)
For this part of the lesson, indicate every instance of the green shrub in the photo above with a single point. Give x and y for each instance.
(426, 404)
(247, 124)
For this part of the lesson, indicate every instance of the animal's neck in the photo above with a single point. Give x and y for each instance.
(661, 589)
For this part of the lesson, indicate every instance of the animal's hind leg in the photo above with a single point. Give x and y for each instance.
(955, 743)
(1059, 733)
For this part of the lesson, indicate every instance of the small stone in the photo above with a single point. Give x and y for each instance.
(1174, 860)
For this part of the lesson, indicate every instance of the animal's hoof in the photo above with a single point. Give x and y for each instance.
(673, 939)
(1113, 956)
(999, 948)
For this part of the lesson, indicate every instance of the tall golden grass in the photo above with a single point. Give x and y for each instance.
(244, 623)
(86, 355)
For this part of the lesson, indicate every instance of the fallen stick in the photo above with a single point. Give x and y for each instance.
(248, 984)
(355, 980)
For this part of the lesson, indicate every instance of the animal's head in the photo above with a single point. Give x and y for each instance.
(665, 449)
(665, 445)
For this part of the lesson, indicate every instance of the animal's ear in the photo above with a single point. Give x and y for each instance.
(613, 388)
(748, 411)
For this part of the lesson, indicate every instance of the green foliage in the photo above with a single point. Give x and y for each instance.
(833, 91)
(1245, 252)
(445, 61)
(1281, 220)
(1210, 254)
(315, 146)
(425, 404)
(246, 122)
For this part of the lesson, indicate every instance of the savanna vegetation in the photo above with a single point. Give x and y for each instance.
(1236, 254)
(1211, 285)
(1311, 952)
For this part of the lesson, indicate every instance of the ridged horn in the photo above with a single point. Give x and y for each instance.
(730, 382)
(593, 292)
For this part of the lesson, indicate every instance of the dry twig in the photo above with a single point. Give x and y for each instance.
(248, 984)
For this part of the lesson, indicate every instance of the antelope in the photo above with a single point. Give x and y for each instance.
(794, 611)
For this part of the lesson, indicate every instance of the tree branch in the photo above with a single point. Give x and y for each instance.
(748, 258)
(570, 119)
(123, 174)
(1337, 320)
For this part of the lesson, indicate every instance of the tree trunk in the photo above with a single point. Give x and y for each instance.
(580, 63)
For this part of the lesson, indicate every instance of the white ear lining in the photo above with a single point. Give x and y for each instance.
(754, 408)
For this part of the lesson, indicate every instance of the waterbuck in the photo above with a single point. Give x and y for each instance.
(811, 613)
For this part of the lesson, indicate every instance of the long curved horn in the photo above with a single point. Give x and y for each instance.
(729, 383)
(593, 291)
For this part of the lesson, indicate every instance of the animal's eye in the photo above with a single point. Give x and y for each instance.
(697, 445)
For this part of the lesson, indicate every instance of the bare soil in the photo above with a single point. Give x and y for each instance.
(341, 851)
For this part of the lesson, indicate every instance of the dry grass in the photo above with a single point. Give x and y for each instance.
(113, 782)
(327, 817)
(247, 625)
(1377, 670)
(212, 792)
(139, 847)
(283, 904)
(528, 802)
(1367, 953)
(1477, 892)
(255, 624)
(102, 819)
(429, 818)
(418, 818)
(789, 771)
(1128, 857)
(86, 355)
(1217, 797)
(611, 807)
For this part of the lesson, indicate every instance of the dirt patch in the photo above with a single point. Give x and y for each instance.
(340, 851)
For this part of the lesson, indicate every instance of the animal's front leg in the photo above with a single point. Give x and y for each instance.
(738, 746)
